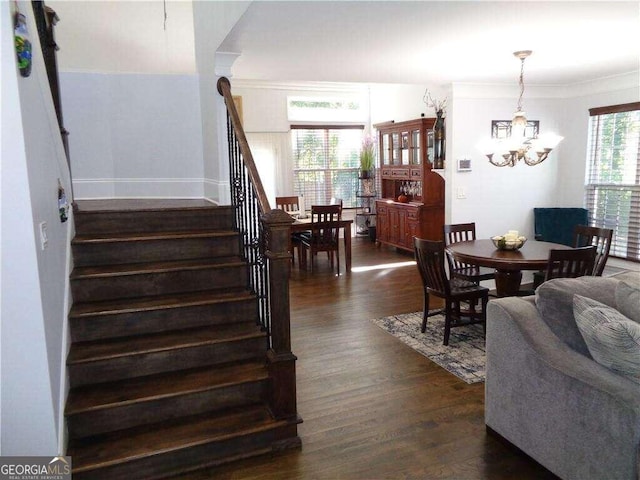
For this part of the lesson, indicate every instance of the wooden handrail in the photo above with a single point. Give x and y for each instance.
(264, 242)
(224, 89)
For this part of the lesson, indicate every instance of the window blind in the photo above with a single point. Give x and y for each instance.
(612, 193)
(326, 162)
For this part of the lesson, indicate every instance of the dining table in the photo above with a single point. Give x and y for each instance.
(304, 224)
(508, 264)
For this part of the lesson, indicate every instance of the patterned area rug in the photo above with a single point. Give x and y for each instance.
(464, 357)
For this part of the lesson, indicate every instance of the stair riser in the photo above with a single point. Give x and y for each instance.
(160, 283)
(106, 253)
(154, 221)
(160, 410)
(194, 457)
(162, 320)
(131, 366)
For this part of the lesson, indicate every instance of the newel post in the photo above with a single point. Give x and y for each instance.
(280, 359)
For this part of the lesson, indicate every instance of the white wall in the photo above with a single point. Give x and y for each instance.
(402, 102)
(152, 135)
(265, 103)
(34, 281)
(498, 198)
(212, 22)
(125, 36)
(133, 135)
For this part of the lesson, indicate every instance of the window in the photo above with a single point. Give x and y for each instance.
(326, 160)
(613, 176)
(351, 108)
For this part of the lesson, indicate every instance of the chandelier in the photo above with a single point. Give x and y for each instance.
(517, 145)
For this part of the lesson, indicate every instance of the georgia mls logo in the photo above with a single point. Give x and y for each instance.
(35, 468)
(59, 465)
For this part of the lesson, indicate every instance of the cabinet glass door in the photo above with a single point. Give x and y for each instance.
(415, 147)
(430, 146)
(395, 146)
(385, 149)
(405, 148)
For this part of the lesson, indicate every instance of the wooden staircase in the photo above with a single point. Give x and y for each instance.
(167, 366)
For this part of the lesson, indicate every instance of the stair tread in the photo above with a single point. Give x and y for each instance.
(167, 437)
(153, 267)
(152, 387)
(156, 302)
(82, 352)
(114, 205)
(146, 236)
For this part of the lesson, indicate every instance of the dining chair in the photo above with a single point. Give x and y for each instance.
(288, 204)
(337, 201)
(463, 232)
(291, 205)
(584, 235)
(570, 263)
(324, 235)
(430, 258)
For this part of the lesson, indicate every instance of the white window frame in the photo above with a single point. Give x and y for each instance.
(612, 186)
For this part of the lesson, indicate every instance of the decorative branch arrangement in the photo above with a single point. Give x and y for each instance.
(438, 106)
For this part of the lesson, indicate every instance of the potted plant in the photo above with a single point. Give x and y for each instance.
(367, 156)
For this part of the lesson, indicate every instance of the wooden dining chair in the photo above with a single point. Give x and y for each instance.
(324, 234)
(430, 258)
(288, 204)
(291, 205)
(584, 236)
(570, 263)
(463, 232)
(337, 201)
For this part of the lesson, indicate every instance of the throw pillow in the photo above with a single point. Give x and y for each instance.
(612, 339)
(628, 300)
(554, 300)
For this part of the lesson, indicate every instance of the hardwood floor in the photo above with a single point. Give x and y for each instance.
(373, 407)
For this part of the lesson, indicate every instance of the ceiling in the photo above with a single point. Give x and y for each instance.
(419, 42)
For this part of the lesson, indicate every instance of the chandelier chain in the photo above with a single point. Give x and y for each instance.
(521, 84)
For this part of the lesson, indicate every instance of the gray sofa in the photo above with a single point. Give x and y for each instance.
(547, 396)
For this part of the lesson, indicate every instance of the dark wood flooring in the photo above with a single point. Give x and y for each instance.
(374, 408)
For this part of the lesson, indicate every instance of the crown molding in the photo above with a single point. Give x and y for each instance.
(606, 84)
(303, 86)
(612, 83)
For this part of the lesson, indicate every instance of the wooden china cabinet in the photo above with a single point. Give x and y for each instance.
(412, 195)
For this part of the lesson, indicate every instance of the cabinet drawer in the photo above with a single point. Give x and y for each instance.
(412, 214)
(400, 173)
(415, 174)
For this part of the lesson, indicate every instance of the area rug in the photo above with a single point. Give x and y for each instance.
(464, 357)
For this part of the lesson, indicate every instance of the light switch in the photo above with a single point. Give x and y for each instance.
(461, 192)
(44, 241)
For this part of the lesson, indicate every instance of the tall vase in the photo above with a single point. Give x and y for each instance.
(438, 141)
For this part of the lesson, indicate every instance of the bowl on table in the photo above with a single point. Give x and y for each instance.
(506, 242)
